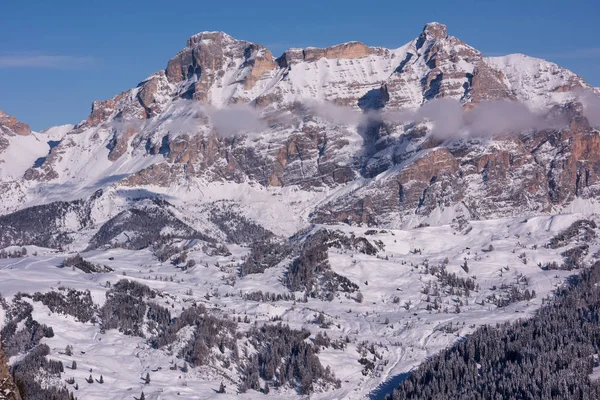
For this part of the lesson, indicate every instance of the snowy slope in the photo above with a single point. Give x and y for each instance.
(402, 331)
(537, 82)
(149, 136)
(284, 148)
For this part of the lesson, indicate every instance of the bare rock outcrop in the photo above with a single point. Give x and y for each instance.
(9, 125)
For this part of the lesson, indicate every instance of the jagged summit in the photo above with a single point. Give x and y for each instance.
(348, 50)
(351, 49)
(153, 135)
(218, 36)
(207, 58)
(10, 125)
(435, 31)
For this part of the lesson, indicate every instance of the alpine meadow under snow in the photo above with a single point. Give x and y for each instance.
(336, 223)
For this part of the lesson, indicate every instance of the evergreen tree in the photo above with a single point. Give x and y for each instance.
(549, 356)
(359, 297)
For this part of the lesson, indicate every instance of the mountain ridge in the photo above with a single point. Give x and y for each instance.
(316, 224)
(228, 110)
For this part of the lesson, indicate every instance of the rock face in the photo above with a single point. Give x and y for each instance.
(8, 389)
(348, 50)
(309, 120)
(488, 84)
(209, 56)
(10, 126)
(435, 65)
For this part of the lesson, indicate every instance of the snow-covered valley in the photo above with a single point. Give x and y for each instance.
(314, 225)
(407, 311)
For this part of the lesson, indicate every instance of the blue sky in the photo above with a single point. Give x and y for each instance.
(56, 57)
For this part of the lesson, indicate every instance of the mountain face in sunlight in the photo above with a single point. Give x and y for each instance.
(310, 224)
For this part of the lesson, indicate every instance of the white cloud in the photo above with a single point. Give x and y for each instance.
(591, 52)
(333, 113)
(44, 61)
(447, 116)
(235, 119)
(591, 108)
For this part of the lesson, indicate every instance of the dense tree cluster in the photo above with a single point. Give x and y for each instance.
(261, 296)
(374, 232)
(158, 318)
(21, 332)
(509, 294)
(125, 307)
(42, 225)
(238, 229)
(73, 302)
(549, 356)
(27, 371)
(208, 332)
(212, 250)
(582, 230)
(78, 262)
(143, 226)
(265, 253)
(163, 249)
(450, 279)
(339, 240)
(448, 283)
(311, 272)
(284, 358)
(573, 257)
(311, 263)
(17, 253)
(551, 265)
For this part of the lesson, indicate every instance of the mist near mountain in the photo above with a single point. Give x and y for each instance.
(449, 119)
(312, 224)
(591, 104)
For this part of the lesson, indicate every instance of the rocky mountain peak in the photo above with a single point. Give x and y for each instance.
(10, 125)
(438, 66)
(434, 37)
(203, 63)
(433, 31)
(347, 50)
(161, 139)
(209, 36)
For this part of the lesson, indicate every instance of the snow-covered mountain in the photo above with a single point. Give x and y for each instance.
(360, 191)
(226, 110)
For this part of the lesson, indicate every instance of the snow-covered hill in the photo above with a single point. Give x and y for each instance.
(422, 290)
(392, 199)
